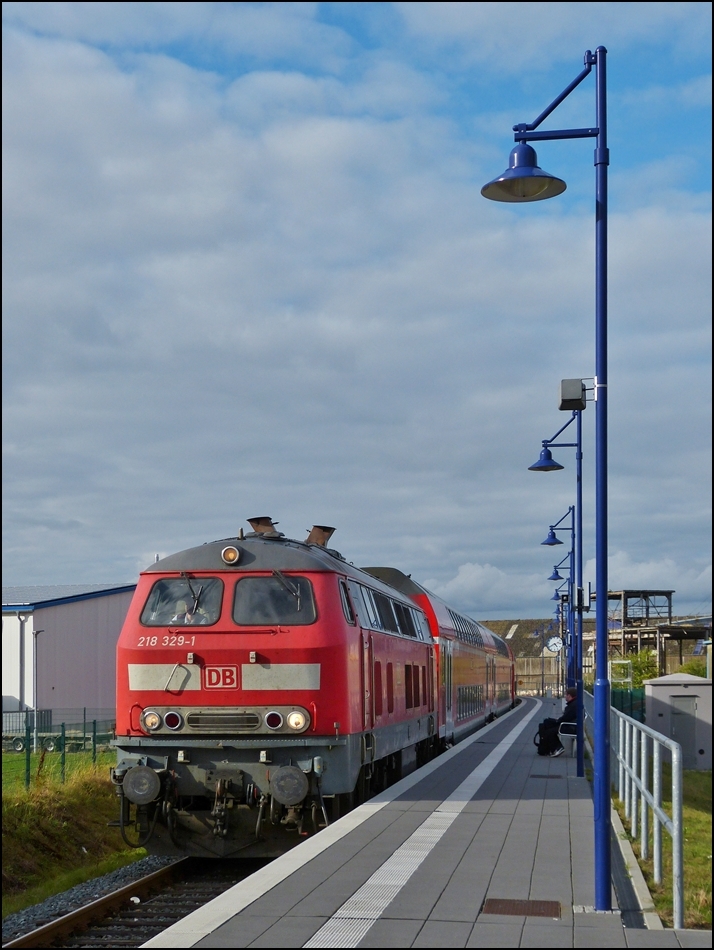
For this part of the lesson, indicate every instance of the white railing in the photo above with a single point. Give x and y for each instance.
(630, 743)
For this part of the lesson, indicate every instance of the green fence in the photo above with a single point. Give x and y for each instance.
(41, 748)
(631, 702)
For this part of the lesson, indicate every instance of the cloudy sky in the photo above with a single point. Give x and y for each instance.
(248, 271)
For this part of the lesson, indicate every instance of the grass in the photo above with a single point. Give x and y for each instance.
(54, 835)
(697, 816)
(45, 767)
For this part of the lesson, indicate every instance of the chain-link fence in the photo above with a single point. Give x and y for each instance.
(43, 739)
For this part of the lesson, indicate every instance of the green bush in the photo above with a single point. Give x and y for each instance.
(696, 666)
(644, 667)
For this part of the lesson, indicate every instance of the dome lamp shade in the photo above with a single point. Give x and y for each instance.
(523, 180)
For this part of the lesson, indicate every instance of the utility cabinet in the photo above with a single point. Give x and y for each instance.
(680, 707)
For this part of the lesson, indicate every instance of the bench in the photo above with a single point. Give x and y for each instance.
(568, 732)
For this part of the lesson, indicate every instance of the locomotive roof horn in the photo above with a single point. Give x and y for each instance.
(265, 526)
(320, 534)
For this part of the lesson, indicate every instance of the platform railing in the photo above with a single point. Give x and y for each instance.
(636, 747)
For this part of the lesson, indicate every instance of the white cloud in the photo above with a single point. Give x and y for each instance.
(510, 35)
(691, 94)
(483, 590)
(692, 584)
(285, 295)
(255, 30)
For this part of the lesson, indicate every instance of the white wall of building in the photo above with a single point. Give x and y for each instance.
(16, 687)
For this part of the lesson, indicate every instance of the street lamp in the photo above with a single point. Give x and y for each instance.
(552, 539)
(572, 396)
(525, 181)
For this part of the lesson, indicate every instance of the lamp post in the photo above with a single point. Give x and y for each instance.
(546, 463)
(552, 539)
(525, 181)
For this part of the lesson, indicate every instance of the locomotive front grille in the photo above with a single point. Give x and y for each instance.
(223, 721)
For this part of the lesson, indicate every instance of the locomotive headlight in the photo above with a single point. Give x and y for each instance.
(230, 555)
(151, 721)
(273, 720)
(173, 720)
(296, 720)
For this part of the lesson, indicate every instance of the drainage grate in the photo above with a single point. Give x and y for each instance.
(496, 905)
(534, 775)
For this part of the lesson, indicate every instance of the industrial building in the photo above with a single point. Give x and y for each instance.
(59, 648)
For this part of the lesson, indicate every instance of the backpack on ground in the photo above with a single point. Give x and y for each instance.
(546, 739)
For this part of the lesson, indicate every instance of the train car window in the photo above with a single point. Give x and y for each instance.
(408, 686)
(346, 605)
(372, 616)
(405, 619)
(378, 700)
(282, 598)
(420, 624)
(385, 611)
(390, 687)
(183, 601)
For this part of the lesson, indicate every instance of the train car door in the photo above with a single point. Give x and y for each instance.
(447, 653)
(368, 679)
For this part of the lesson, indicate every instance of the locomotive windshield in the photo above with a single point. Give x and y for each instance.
(193, 601)
(282, 599)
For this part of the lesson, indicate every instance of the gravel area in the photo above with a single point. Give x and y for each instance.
(14, 925)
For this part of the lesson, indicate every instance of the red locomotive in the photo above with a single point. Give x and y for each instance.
(267, 685)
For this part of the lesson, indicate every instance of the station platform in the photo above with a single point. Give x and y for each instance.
(489, 845)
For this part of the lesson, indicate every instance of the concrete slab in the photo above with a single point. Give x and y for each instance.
(694, 938)
(289, 932)
(650, 938)
(238, 932)
(443, 933)
(391, 933)
(507, 934)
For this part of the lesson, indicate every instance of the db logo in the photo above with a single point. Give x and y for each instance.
(220, 677)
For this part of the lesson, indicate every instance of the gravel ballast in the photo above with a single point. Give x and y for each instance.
(15, 925)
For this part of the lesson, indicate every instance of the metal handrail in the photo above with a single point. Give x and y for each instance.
(630, 746)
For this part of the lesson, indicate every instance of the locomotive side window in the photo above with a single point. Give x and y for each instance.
(406, 621)
(192, 601)
(370, 607)
(282, 599)
(415, 691)
(390, 687)
(408, 686)
(346, 605)
(386, 613)
(377, 688)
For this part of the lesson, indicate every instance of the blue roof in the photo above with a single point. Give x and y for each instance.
(46, 595)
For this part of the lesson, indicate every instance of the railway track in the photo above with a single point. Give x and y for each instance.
(133, 914)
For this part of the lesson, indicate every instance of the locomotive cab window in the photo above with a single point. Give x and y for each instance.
(183, 601)
(346, 604)
(279, 599)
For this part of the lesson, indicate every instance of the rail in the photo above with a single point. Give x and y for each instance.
(80, 919)
(631, 749)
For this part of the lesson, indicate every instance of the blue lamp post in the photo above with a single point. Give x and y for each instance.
(546, 463)
(552, 539)
(525, 181)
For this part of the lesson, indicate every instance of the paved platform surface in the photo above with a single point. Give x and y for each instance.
(419, 865)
